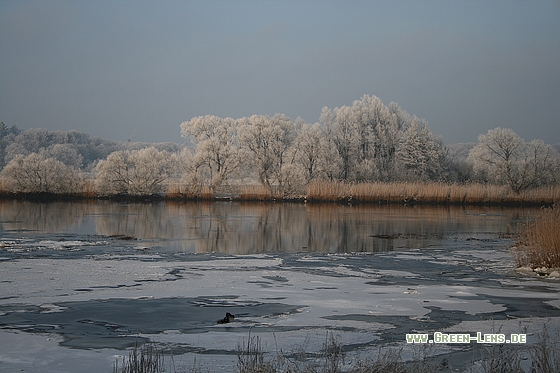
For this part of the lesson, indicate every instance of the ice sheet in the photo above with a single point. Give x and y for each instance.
(286, 300)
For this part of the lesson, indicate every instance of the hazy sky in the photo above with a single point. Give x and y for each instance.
(135, 70)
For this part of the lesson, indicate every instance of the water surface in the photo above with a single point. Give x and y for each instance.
(249, 228)
(98, 277)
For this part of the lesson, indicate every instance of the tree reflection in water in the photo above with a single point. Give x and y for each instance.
(251, 228)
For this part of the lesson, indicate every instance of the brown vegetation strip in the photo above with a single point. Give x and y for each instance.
(539, 241)
(430, 193)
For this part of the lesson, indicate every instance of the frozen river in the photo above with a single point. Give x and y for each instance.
(80, 283)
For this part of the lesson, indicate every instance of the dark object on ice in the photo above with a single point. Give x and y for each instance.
(229, 318)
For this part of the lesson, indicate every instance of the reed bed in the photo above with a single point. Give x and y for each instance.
(336, 191)
(257, 193)
(430, 193)
(539, 241)
(89, 189)
(333, 191)
(176, 191)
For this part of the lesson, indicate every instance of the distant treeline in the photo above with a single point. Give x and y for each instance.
(367, 142)
(75, 149)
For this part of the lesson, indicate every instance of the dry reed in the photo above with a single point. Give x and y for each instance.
(539, 241)
(89, 189)
(337, 191)
(252, 358)
(181, 191)
(430, 193)
(257, 193)
(332, 191)
(145, 359)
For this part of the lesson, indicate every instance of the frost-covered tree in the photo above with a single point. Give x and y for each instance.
(66, 153)
(63, 145)
(13, 150)
(542, 163)
(376, 145)
(217, 154)
(502, 157)
(459, 169)
(421, 156)
(29, 141)
(3, 130)
(311, 152)
(135, 172)
(267, 141)
(7, 135)
(36, 174)
(343, 134)
(187, 172)
(497, 157)
(366, 136)
(87, 149)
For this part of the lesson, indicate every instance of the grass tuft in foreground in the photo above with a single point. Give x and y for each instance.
(250, 357)
(539, 242)
(543, 355)
(146, 359)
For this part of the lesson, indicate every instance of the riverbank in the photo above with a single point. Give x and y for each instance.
(428, 193)
(432, 193)
(538, 246)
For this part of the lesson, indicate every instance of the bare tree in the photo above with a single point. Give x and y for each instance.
(36, 174)
(135, 172)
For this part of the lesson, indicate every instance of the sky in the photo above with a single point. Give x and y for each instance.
(135, 70)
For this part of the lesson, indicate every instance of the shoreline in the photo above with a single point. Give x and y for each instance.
(346, 200)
